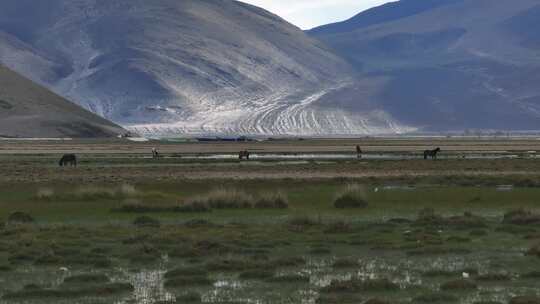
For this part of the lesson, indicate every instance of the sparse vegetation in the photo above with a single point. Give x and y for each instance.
(357, 285)
(353, 196)
(146, 221)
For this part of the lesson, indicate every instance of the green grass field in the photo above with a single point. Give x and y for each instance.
(124, 229)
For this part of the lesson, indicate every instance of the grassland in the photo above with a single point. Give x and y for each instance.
(124, 228)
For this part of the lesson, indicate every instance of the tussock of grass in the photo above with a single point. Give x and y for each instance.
(185, 272)
(338, 227)
(320, 250)
(531, 275)
(218, 199)
(439, 273)
(88, 193)
(339, 299)
(353, 196)
(521, 217)
(235, 265)
(19, 217)
(224, 199)
(376, 301)
(87, 279)
(190, 207)
(291, 278)
(186, 281)
(345, 263)
(104, 290)
(303, 221)
(356, 285)
(440, 250)
(189, 297)
(146, 221)
(438, 297)
(525, 300)
(277, 200)
(494, 277)
(256, 274)
(460, 284)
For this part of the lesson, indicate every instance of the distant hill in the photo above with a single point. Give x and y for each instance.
(29, 110)
(447, 64)
(190, 66)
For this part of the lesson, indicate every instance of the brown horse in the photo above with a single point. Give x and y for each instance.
(243, 154)
(68, 159)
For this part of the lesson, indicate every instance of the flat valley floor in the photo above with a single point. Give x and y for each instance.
(301, 221)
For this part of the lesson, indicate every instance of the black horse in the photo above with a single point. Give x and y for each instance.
(358, 152)
(68, 159)
(243, 154)
(431, 153)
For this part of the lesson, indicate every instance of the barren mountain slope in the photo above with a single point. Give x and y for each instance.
(29, 110)
(191, 66)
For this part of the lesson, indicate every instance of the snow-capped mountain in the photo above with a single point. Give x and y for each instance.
(164, 67)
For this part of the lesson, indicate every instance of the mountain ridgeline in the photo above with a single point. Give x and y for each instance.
(168, 67)
(448, 64)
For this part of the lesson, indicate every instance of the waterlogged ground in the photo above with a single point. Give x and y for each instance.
(122, 228)
(292, 260)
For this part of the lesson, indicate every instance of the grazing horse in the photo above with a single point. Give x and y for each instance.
(68, 159)
(358, 152)
(431, 153)
(155, 153)
(243, 154)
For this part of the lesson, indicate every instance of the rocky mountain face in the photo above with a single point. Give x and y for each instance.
(448, 64)
(29, 110)
(164, 67)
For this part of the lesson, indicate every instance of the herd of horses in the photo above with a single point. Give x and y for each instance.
(71, 159)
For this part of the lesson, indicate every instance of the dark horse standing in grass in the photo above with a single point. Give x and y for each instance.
(68, 159)
(243, 154)
(431, 153)
(358, 152)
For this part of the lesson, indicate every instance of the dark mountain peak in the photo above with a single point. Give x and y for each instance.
(385, 13)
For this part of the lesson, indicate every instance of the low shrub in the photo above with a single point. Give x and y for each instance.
(224, 199)
(435, 298)
(277, 200)
(146, 221)
(183, 281)
(189, 297)
(338, 227)
(521, 217)
(494, 277)
(356, 285)
(525, 300)
(531, 275)
(93, 291)
(353, 196)
(87, 279)
(291, 278)
(19, 217)
(185, 272)
(345, 263)
(460, 284)
(256, 274)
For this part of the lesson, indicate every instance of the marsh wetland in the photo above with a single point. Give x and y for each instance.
(122, 228)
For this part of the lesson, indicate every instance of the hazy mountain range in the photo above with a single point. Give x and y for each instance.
(448, 64)
(164, 67)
